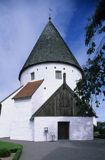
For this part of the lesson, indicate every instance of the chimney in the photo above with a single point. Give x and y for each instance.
(64, 80)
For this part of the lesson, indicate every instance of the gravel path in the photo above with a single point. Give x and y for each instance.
(63, 150)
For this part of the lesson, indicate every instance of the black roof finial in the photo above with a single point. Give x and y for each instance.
(49, 18)
(50, 10)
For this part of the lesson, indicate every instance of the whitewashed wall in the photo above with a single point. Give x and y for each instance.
(41, 95)
(47, 72)
(81, 128)
(15, 118)
(7, 115)
(50, 83)
(21, 127)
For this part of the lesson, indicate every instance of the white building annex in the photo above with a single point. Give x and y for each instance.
(45, 107)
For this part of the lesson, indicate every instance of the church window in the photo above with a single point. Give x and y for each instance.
(58, 74)
(32, 76)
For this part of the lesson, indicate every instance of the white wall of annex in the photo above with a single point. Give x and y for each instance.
(21, 127)
(7, 115)
(80, 128)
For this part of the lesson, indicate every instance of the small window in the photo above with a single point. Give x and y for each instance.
(32, 76)
(58, 74)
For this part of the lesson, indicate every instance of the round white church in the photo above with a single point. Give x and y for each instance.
(45, 107)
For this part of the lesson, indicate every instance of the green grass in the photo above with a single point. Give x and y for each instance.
(9, 145)
(12, 147)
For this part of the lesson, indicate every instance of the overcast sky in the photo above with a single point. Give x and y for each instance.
(21, 23)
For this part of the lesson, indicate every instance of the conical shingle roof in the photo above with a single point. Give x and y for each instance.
(50, 47)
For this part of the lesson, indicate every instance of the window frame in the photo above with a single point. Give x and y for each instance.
(58, 74)
(32, 75)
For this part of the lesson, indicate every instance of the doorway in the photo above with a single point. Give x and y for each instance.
(63, 130)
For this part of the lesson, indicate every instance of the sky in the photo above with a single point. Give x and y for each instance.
(21, 23)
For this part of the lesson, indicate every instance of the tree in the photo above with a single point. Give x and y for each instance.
(99, 130)
(93, 83)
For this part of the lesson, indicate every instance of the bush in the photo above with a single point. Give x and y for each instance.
(13, 150)
(5, 152)
(18, 153)
(6, 148)
(100, 128)
(101, 136)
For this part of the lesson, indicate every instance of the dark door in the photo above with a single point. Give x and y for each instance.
(63, 130)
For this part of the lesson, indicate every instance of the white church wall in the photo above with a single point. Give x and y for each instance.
(21, 127)
(50, 83)
(7, 114)
(37, 98)
(47, 72)
(80, 128)
(42, 94)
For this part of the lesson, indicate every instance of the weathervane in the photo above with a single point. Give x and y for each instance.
(50, 11)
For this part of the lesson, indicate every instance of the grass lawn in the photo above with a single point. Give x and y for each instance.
(9, 145)
(12, 147)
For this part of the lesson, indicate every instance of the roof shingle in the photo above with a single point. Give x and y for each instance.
(28, 90)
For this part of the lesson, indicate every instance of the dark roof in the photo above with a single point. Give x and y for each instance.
(50, 47)
(64, 102)
(28, 90)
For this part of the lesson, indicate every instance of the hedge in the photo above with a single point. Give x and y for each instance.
(5, 152)
(101, 136)
(6, 148)
(18, 153)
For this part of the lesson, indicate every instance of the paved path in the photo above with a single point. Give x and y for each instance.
(63, 150)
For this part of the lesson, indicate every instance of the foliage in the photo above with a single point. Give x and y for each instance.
(93, 82)
(12, 148)
(9, 145)
(101, 136)
(5, 152)
(18, 154)
(100, 128)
